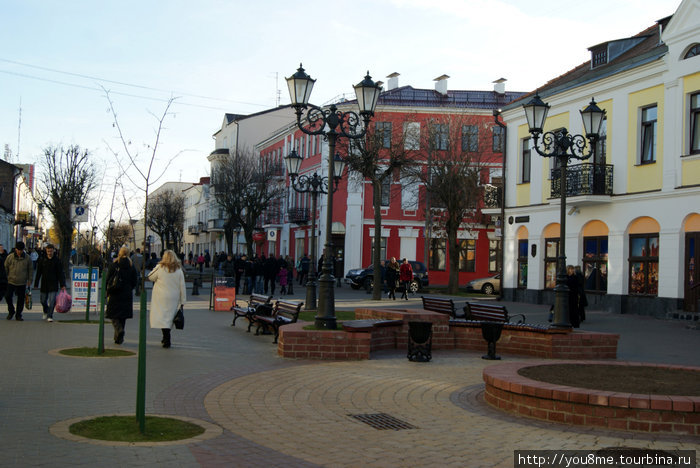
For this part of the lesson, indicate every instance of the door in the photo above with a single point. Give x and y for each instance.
(339, 255)
(692, 258)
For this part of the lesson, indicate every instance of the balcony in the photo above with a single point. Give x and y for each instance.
(194, 230)
(216, 225)
(592, 182)
(493, 195)
(298, 215)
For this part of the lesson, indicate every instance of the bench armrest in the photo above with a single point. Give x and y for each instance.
(522, 320)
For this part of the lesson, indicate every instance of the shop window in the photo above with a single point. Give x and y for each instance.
(467, 255)
(438, 254)
(595, 264)
(551, 255)
(522, 263)
(644, 264)
(494, 256)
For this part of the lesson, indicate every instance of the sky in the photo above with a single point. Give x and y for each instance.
(218, 56)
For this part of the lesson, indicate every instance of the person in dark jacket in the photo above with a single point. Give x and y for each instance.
(49, 272)
(272, 268)
(121, 281)
(582, 299)
(574, 294)
(3, 274)
(392, 277)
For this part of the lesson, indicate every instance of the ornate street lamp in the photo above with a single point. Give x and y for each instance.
(562, 146)
(313, 185)
(332, 124)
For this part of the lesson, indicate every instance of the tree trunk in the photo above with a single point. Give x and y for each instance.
(453, 258)
(376, 257)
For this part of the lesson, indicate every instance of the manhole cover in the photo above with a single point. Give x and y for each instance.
(382, 421)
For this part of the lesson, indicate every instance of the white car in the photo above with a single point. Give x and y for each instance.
(490, 285)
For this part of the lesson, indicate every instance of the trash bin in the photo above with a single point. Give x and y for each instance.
(420, 341)
(491, 331)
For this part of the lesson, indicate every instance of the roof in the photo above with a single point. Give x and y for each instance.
(411, 97)
(647, 48)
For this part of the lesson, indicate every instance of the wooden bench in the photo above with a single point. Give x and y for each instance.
(489, 312)
(255, 301)
(439, 304)
(283, 313)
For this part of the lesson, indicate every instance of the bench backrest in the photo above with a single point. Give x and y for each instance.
(439, 304)
(288, 309)
(257, 299)
(488, 312)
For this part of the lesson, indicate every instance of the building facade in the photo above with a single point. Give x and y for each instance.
(633, 221)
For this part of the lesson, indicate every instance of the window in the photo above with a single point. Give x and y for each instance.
(382, 249)
(384, 134)
(437, 254)
(411, 132)
(470, 138)
(695, 123)
(494, 256)
(522, 263)
(497, 139)
(595, 264)
(600, 56)
(601, 145)
(525, 162)
(644, 264)
(648, 154)
(440, 136)
(467, 255)
(299, 248)
(693, 51)
(386, 192)
(551, 254)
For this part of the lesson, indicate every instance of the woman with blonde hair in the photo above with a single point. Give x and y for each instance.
(121, 281)
(168, 295)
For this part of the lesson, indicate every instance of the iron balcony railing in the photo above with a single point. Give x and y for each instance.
(298, 215)
(584, 179)
(216, 224)
(492, 196)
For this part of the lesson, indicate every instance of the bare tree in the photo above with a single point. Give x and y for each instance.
(68, 177)
(166, 216)
(378, 158)
(457, 157)
(245, 188)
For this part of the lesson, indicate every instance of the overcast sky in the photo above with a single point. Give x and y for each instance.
(232, 56)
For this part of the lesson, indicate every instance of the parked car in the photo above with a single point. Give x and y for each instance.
(364, 277)
(490, 285)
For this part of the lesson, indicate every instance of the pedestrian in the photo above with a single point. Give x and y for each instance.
(240, 270)
(572, 283)
(228, 267)
(271, 270)
(169, 294)
(189, 258)
(582, 299)
(49, 272)
(304, 264)
(138, 261)
(405, 276)
(249, 274)
(259, 273)
(282, 278)
(34, 256)
(19, 269)
(200, 262)
(152, 262)
(3, 274)
(121, 281)
(290, 274)
(392, 277)
(207, 259)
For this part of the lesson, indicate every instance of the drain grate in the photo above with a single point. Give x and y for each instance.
(382, 421)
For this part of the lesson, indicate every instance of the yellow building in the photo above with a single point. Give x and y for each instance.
(633, 221)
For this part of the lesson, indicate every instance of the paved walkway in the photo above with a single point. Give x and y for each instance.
(278, 412)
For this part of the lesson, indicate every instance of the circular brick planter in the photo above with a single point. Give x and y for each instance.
(511, 392)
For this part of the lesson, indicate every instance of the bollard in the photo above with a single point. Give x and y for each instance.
(195, 287)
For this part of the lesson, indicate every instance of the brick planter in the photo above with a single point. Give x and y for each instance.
(527, 340)
(509, 391)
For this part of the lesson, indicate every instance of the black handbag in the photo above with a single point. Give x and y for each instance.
(179, 320)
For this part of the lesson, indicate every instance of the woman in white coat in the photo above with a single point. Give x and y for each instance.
(168, 295)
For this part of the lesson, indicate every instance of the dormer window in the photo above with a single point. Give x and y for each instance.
(693, 51)
(599, 56)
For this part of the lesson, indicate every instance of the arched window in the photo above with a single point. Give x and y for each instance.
(693, 51)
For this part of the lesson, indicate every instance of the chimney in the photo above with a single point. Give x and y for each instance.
(393, 81)
(441, 84)
(499, 86)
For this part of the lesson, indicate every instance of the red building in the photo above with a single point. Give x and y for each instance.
(425, 123)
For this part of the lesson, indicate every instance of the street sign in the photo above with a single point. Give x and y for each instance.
(79, 213)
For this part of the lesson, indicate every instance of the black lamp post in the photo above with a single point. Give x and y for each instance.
(111, 231)
(332, 124)
(563, 146)
(313, 185)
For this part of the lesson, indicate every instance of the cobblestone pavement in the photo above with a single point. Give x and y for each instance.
(278, 412)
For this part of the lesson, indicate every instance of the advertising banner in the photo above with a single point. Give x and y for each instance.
(79, 288)
(224, 292)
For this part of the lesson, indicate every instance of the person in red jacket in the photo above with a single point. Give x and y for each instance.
(405, 276)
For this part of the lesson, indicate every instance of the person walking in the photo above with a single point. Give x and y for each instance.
(406, 276)
(392, 277)
(19, 269)
(169, 294)
(49, 272)
(282, 278)
(121, 281)
(290, 274)
(304, 264)
(138, 261)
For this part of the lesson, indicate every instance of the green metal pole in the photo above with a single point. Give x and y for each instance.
(101, 337)
(87, 308)
(141, 380)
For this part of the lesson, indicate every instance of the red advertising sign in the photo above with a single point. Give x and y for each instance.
(224, 293)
